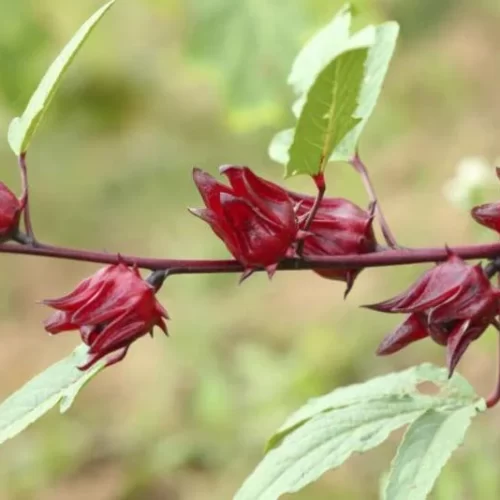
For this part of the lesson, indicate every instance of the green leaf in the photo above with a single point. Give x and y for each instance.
(22, 128)
(379, 57)
(323, 443)
(398, 384)
(320, 50)
(60, 383)
(280, 146)
(328, 45)
(327, 114)
(425, 449)
(328, 430)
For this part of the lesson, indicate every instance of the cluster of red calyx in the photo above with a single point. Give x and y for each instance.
(112, 309)
(261, 223)
(453, 303)
(10, 211)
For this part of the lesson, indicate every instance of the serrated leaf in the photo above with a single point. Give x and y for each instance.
(22, 128)
(312, 68)
(320, 50)
(328, 113)
(325, 442)
(328, 430)
(60, 383)
(379, 57)
(426, 447)
(398, 384)
(328, 44)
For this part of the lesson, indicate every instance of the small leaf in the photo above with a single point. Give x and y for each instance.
(60, 383)
(425, 449)
(280, 145)
(320, 50)
(327, 114)
(22, 128)
(324, 48)
(379, 57)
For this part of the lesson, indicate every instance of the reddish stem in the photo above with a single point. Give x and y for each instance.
(389, 257)
(360, 167)
(494, 397)
(319, 180)
(25, 200)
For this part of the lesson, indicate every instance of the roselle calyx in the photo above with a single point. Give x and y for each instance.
(453, 303)
(339, 227)
(253, 217)
(111, 309)
(488, 214)
(10, 211)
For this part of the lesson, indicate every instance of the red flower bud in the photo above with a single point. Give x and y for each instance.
(255, 218)
(339, 227)
(453, 303)
(488, 215)
(112, 309)
(10, 211)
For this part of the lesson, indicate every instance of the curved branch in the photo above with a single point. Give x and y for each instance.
(383, 258)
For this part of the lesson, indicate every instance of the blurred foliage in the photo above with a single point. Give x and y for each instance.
(163, 85)
(221, 35)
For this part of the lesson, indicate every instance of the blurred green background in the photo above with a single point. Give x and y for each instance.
(163, 85)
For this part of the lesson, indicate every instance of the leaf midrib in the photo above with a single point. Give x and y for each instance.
(331, 113)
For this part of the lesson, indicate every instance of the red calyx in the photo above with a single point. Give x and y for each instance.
(339, 227)
(111, 309)
(488, 215)
(10, 211)
(453, 303)
(253, 217)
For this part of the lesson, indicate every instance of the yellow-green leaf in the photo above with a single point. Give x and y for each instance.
(426, 447)
(23, 127)
(60, 383)
(303, 149)
(328, 113)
